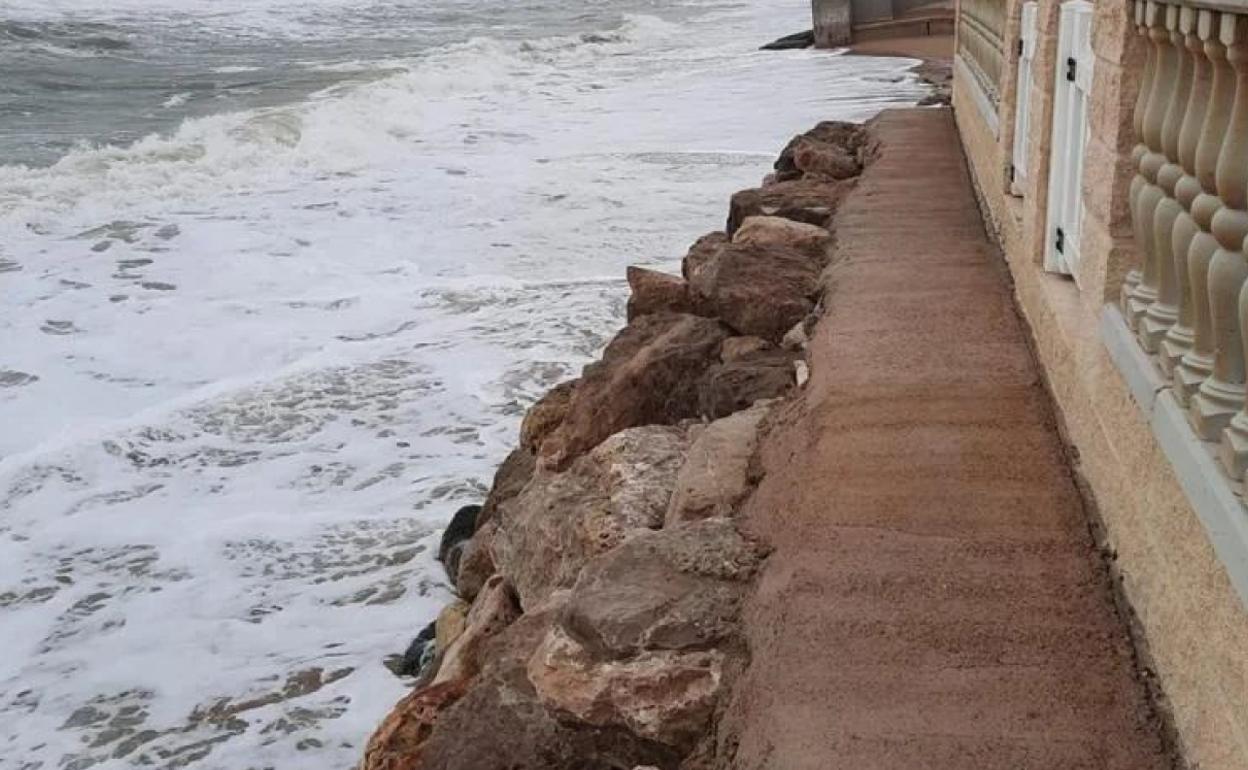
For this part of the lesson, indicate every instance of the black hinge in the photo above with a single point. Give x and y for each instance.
(1019, 46)
(1013, 173)
(1061, 241)
(1072, 67)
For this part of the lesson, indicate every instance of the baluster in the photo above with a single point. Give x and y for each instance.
(1179, 339)
(1221, 396)
(1197, 363)
(1132, 278)
(1150, 194)
(1163, 313)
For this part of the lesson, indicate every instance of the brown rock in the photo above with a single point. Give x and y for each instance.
(812, 201)
(511, 476)
(849, 138)
(730, 387)
(736, 348)
(398, 742)
(757, 290)
(561, 520)
(655, 292)
(477, 563)
(701, 252)
(665, 696)
(812, 240)
(545, 415)
(674, 589)
(648, 375)
(716, 475)
(821, 160)
(494, 609)
(451, 623)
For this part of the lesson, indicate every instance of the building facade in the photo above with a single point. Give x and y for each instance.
(1108, 141)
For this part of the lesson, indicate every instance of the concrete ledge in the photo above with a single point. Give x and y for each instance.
(964, 76)
(1209, 491)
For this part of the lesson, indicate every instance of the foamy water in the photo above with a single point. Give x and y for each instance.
(251, 364)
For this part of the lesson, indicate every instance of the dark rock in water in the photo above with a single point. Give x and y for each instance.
(418, 655)
(797, 40)
(458, 532)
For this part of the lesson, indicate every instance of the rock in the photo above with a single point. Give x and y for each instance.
(667, 697)
(498, 723)
(451, 623)
(796, 40)
(736, 348)
(509, 479)
(494, 609)
(730, 387)
(822, 160)
(801, 373)
(418, 654)
(655, 292)
(812, 240)
(796, 338)
(476, 565)
(462, 525)
(716, 475)
(757, 290)
(678, 588)
(701, 252)
(546, 415)
(648, 375)
(848, 138)
(812, 201)
(562, 520)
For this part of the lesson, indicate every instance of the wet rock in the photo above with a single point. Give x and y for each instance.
(736, 348)
(655, 292)
(796, 40)
(716, 475)
(493, 610)
(811, 201)
(546, 415)
(757, 290)
(730, 387)
(457, 533)
(418, 654)
(812, 240)
(701, 252)
(397, 743)
(511, 476)
(477, 563)
(561, 520)
(648, 375)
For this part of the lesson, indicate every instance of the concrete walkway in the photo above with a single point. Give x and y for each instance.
(934, 599)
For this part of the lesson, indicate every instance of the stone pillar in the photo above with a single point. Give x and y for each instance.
(1138, 182)
(833, 21)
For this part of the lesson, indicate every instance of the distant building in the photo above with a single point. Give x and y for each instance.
(1109, 144)
(840, 22)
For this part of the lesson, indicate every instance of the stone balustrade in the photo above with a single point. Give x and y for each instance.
(981, 43)
(1187, 301)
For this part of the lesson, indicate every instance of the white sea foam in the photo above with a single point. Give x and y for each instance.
(252, 366)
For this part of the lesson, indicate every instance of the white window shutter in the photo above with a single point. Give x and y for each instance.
(1073, 85)
(1022, 108)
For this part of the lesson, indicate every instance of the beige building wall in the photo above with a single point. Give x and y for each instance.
(1195, 624)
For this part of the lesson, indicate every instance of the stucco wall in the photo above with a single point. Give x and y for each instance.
(832, 21)
(1194, 622)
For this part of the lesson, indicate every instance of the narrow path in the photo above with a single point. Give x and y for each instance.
(934, 599)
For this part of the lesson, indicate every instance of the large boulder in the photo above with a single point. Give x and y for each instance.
(655, 292)
(642, 641)
(847, 139)
(562, 520)
(821, 160)
(476, 565)
(493, 610)
(514, 472)
(759, 290)
(737, 348)
(716, 475)
(701, 252)
(812, 240)
(738, 384)
(813, 201)
(546, 415)
(398, 743)
(648, 375)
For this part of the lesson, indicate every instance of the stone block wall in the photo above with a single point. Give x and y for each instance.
(833, 21)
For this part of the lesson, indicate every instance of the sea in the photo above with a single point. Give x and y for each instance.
(277, 281)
